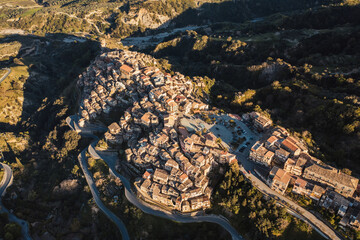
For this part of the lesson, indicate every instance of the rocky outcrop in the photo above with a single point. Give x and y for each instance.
(143, 17)
(66, 188)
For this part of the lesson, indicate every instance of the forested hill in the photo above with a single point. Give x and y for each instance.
(300, 67)
(117, 18)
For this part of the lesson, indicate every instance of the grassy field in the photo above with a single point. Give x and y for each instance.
(18, 3)
(30, 11)
(9, 50)
(11, 95)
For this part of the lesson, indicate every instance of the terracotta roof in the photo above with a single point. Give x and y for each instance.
(183, 177)
(126, 68)
(300, 182)
(146, 174)
(272, 139)
(114, 127)
(281, 175)
(289, 145)
(269, 154)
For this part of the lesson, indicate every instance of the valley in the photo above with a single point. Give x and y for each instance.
(101, 174)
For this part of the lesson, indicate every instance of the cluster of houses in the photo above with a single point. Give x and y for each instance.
(174, 164)
(289, 163)
(176, 174)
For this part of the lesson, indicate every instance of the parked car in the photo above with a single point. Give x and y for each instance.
(242, 149)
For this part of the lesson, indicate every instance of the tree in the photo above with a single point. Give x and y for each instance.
(14, 229)
(72, 139)
(346, 171)
(349, 128)
(75, 170)
(252, 215)
(8, 236)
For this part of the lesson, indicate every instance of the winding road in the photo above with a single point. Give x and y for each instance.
(5, 183)
(96, 195)
(131, 196)
(247, 167)
(5, 75)
(71, 121)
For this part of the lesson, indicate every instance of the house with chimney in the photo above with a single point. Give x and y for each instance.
(272, 143)
(303, 187)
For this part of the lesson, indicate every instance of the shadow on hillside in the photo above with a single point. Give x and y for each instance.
(53, 63)
(231, 12)
(226, 15)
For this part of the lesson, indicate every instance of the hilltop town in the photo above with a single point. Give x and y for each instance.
(172, 142)
(173, 163)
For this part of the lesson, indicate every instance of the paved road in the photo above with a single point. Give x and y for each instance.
(96, 195)
(247, 165)
(5, 75)
(149, 209)
(5, 183)
(131, 196)
(7, 179)
(88, 130)
(72, 122)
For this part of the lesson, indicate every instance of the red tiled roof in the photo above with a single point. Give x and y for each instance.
(289, 145)
(183, 176)
(272, 139)
(126, 68)
(146, 174)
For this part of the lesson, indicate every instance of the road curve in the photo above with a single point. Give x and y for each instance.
(247, 168)
(96, 195)
(306, 216)
(147, 208)
(301, 212)
(71, 121)
(129, 194)
(5, 183)
(6, 74)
